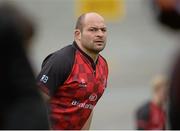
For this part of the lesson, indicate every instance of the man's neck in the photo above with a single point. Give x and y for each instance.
(157, 102)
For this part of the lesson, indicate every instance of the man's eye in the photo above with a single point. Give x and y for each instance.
(103, 30)
(93, 29)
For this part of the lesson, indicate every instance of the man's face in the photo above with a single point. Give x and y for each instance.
(162, 93)
(93, 34)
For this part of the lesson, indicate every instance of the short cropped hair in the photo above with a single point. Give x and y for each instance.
(80, 22)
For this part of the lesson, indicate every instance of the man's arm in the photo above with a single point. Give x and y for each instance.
(55, 70)
(45, 96)
(88, 122)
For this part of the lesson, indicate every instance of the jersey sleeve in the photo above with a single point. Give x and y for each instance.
(55, 70)
(106, 69)
(142, 117)
(107, 72)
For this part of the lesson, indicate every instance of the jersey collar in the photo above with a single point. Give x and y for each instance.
(93, 64)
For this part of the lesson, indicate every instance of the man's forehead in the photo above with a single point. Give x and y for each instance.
(95, 23)
(95, 26)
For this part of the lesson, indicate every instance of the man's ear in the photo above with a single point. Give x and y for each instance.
(77, 34)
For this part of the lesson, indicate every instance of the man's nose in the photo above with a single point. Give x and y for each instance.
(100, 33)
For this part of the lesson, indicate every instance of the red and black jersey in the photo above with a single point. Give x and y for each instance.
(75, 84)
(150, 117)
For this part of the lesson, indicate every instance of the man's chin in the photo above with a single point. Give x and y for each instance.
(98, 50)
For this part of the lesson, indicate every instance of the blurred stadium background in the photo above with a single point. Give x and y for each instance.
(138, 48)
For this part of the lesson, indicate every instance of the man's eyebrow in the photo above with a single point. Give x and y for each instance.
(97, 27)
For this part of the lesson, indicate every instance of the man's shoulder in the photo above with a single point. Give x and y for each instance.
(65, 51)
(144, 108)
(143, 111)
(103, 59)
(62, 55)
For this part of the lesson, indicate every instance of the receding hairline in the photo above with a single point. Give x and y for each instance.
(81, 18)
(79, 23)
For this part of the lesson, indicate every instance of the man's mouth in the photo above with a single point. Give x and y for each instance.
(99, 41)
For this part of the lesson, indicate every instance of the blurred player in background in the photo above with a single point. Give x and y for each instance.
(174, 104)
(74, 78)
(168, 14)
(152, 115)
(22, 106)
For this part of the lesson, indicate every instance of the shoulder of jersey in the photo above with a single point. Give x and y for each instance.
(103, 58)
(60, 55)
(144, 107)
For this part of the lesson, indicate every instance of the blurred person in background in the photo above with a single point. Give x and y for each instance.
(174, 100)
(74, 78)
(152, 115)
(22, 106)
(168, 14)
